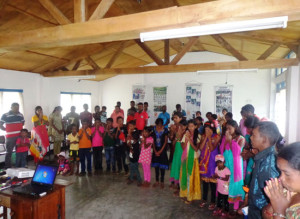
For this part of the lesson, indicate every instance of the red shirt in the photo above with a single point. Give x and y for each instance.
(140, 120)
(129, 118)
(22, 141)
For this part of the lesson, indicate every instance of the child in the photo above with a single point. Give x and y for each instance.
(73, 141)
(63, 164)
(97, 143)
(222, 174)
(189, 172)
(145, 156)
(133, 144)
(103, 115)
(160, 157)
(109, 143)
(119, 134)
(85, 148)
(200, 126)
(23, 145)
(130, 116)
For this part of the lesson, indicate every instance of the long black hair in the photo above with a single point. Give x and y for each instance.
(234, 124)
(196, 133)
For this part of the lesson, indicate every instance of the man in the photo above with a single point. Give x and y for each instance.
(116, 113)
(72, 118)
(86, 115)
(132, 107)
(141, 118)
(14, 122)
(263, 139)
(146, 109)
(119, 104)
(178, 109)
(165, 116)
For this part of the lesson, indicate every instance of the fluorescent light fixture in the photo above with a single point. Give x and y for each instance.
(228, 71)
(210, 29)
(79, 77)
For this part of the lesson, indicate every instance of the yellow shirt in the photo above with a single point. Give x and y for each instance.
(35, 118)
(71, 137)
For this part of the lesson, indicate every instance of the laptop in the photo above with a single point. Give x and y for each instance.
(42, 181)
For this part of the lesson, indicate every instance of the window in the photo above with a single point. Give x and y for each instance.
(7, 97)
(280, 106)
(68, 99)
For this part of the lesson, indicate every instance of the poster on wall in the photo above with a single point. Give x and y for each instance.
(223, 98)
(138, 93)
(192, 99)
(160, 98)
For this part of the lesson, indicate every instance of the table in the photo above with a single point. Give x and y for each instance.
(49, 206)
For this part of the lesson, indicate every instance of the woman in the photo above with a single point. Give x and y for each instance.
(284, 193)
(207, 165)
(189, 172)
(39, 135)
(56, 130)
(231, 147)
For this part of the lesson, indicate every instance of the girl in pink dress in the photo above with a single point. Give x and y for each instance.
(146, 155)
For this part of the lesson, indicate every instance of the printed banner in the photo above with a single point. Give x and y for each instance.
(192, 99)
(160, 98)
(223, 98)
(138, 93)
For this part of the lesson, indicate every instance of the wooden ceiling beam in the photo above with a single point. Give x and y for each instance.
(116, 54)
(3, 4)
(55, 12)
(92, 63)
(229, 48)
(167, 51)
(79, 11)
(130, 26)
(150, 53)
(184, 50)
(76, 66)
(260, 64)
(269, 51)
(101, 9)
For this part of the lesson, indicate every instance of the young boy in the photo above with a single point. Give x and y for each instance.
(134, 146)
(120, 139)
(109, 143)
(103, 115)
(85, 148)
(97, 143)
(23, 145)
(73, 141)
(264, 137)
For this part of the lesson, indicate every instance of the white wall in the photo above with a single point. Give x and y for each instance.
(38, 90)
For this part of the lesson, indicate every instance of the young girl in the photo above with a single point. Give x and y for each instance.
(176, 134)
(189, 172)
(145, 155)
(73, 141)
(22, 146)
(207, 165)
(231, 147)
(63, 164)
(160, 157)
(222, 174)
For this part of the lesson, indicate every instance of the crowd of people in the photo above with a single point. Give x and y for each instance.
(246, 168)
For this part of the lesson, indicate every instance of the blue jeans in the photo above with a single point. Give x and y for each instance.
(21, 159)
(110, 158)
(85, 153)
(134, 171)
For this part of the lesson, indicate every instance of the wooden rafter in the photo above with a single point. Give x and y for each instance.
(76, 66)
(269, 51)
(167, 51)
(3, 4)
(92, 63)
(116, 54)
(129, 26)
(260, 64)
(55, 12)
(229, 48)
(101, 9)
(150, 53)
(79, 11)
(184, 50)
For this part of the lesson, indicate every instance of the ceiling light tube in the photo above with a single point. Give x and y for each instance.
(220, 28)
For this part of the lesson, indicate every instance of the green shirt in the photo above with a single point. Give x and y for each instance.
(108, 140)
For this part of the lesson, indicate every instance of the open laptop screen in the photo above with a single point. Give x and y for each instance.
(44, 175)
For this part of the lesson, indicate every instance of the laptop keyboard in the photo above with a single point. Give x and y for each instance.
(34, 189)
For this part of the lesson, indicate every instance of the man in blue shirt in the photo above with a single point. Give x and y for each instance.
(263, 139)
(178, 109)
(165, 116)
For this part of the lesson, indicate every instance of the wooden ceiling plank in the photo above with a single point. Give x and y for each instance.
(260, 64)
(55, 12)
(79, 11)
(3, 4)
(229, 48)
(42, 54)
(130, 26)
(76, 66)
(116, 54)
(167, 51)
(150, 53)
(92, 63)
(184, 50)
(269, 51)
(101, 9)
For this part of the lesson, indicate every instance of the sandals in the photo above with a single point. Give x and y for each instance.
(202, 205)
(217, 212)
(211, 207)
